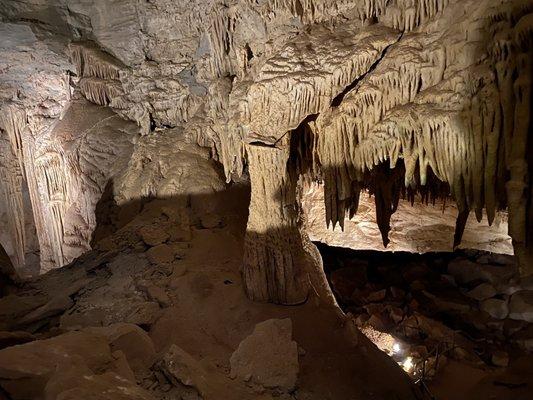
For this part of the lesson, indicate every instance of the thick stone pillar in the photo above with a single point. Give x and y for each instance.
(274, 267)
(520, 165)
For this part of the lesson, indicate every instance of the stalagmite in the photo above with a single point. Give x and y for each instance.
(275, 263)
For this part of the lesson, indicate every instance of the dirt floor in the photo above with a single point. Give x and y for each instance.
(193, 299)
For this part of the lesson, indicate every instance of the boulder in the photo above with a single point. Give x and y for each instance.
(482, 292)
(380, 321)
(496, 308)
(397, 293)
(13, 308)
(130, 340)
(106, 386)
(268, 357)
(521, 306)
(415, 271)
(25, 369)
(496, 259)
(180, 366)
(8, 339)
(377, 296)
(180, 234)
(155, 293)
(210, 221)
(526, 283)
(368, 295)
(448, 303)
(500, 358)
(524, 338)
(465, 271)
(417, 326)
(55, 306)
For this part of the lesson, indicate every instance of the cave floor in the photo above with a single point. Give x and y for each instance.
(185, 292)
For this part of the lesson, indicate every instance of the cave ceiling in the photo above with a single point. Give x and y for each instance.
(437, 90)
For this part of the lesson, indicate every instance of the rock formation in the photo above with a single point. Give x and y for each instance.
(360, 85)
(127, 126)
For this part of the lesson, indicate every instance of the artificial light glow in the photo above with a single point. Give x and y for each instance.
(408, 364)
(396, 348)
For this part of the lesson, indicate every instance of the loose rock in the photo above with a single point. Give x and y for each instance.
(268, 357)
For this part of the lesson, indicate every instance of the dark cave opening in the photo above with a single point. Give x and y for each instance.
(435, 309)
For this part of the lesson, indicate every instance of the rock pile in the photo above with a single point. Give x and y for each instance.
(468, 305)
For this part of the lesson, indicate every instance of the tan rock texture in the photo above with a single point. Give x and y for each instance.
(268, 357)
(417, 227)
(438, 88)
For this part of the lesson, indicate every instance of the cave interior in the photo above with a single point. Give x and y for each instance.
(266, 199)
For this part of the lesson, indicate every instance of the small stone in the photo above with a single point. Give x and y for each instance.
(500, 358)
(521, 306)
(153, 235)
(160, 254)
(397, 293)
(377, 296)
(496, 308)
(482, 292)
(210, 221)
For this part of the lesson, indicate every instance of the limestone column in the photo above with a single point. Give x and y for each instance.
(274, 258)
(520, 167)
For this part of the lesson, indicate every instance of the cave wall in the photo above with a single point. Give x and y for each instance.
(442, 85)
(419, 227)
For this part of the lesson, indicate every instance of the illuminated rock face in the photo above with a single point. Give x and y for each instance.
(347, 90)
(416, 228)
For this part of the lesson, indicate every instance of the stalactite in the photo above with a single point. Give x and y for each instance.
(410, 107)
